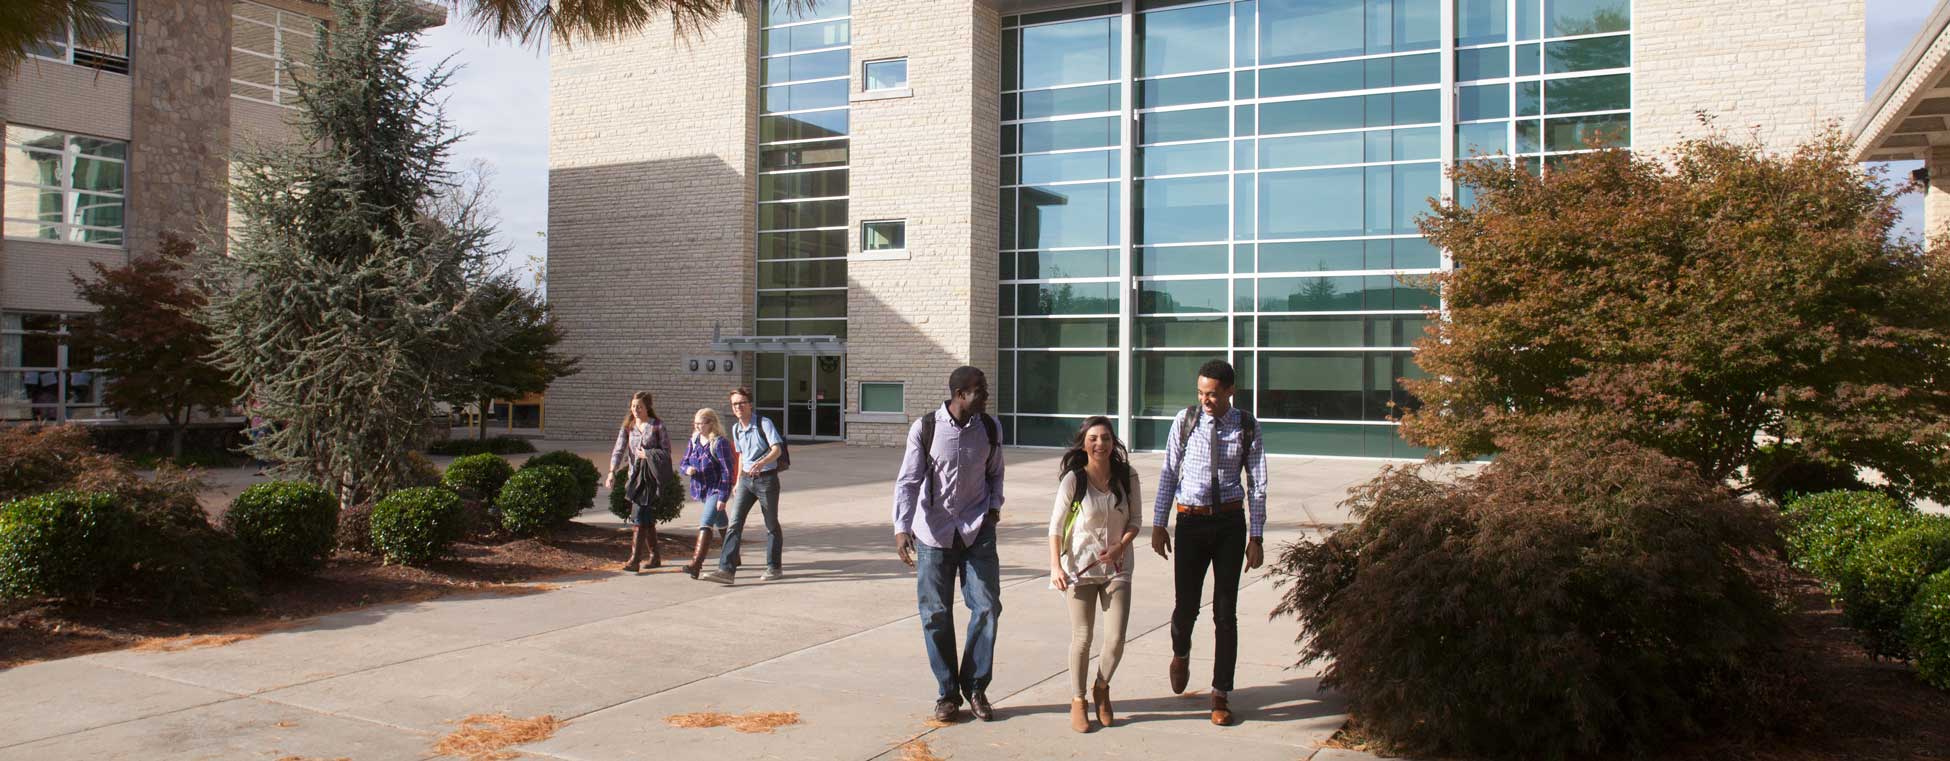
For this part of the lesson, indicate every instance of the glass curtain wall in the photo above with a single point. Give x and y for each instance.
(804, 66)
(1282, 150)
(802, 181)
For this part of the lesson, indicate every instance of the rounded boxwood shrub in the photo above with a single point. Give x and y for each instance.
(1926, 630)
(669, 505)
(64, 544)
(584, 471)
(1824, 530)
(417, 525)
(478, 476)
(285, 527)
(536, 499)
(1569, 598)
(1881, 578)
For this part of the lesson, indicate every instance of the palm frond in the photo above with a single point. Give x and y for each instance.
(532, 21)
(28, 24)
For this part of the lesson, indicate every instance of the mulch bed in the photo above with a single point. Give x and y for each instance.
(31, 632)
(1859, 708)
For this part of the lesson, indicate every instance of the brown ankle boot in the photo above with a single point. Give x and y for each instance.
(1079, 718)
(1101, 695)
(1221, 710)
(656, 557)
(703, 548)
(636, 547)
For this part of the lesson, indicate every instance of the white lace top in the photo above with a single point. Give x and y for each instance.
(1101, 520)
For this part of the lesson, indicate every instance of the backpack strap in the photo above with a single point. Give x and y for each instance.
(1248, 431)
(995, 434)
(927, 456)
(1190, 418)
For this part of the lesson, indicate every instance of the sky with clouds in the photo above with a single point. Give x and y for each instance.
(499, 95)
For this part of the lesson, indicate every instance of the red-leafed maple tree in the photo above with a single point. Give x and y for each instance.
(1693, 302)
(145, 338)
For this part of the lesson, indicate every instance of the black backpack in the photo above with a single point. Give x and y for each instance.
(989, 426)
(1248, 430)
(784, 462)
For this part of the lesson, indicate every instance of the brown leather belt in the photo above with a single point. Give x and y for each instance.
(1223, 507)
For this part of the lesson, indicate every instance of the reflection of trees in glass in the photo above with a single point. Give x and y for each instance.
(1612, 17)
(1320, 294)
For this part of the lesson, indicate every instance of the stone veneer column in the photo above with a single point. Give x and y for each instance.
(1789, 68)
(930, 158)
(179, 119)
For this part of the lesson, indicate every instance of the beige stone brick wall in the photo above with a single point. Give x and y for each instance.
(651, 211)
(37, 274)
(1787, 67)
(930, 159)
(69, 98)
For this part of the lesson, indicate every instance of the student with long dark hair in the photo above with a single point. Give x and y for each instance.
(1091, 529)
(640, 433)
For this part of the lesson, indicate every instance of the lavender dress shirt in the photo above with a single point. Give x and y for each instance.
(966, 482)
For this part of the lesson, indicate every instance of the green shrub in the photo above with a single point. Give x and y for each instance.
(285, 527)
(1783, 471)
(669, 505)
(417, 525)
(1881, 578)
(1568, 598)
(1926, 630)
(185, 566)
(478, 476)
(584, 471)
(1824, 530)
(65, 544)
(496, 445)
(536, 499)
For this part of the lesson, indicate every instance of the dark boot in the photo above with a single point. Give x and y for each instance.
(656, 559)
(635, 563)
(697, 554)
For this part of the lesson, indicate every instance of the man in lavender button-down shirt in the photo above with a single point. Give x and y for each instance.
(949, 495)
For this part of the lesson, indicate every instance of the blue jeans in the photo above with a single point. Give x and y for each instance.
(981, 591)
(714, 516)
(764, 490)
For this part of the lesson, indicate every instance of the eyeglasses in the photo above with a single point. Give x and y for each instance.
(741, 404)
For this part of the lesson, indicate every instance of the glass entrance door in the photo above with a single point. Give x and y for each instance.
(804, 394)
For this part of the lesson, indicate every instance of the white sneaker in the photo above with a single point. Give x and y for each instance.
(771, 574)
(716, 576)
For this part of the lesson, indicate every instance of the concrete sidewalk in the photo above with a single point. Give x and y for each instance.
(837, 641)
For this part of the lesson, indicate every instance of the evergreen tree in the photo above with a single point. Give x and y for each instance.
(349, 295)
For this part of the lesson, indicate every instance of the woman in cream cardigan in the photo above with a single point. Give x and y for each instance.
(1091, 528)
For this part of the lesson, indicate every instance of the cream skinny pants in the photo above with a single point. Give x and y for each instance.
(1085, 600)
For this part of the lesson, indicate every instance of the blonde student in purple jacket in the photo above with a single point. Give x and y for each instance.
(711, 466)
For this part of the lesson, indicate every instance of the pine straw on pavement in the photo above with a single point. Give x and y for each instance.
(757, 722)
(919, 750)
(486, 737)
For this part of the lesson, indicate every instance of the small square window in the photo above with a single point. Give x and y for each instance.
(885, 235)
(890, 74)
(883, 397)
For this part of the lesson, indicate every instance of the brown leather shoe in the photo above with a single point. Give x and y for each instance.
(1079, 718)
(1221, 711)
(1100, 693)
(1181, 672)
